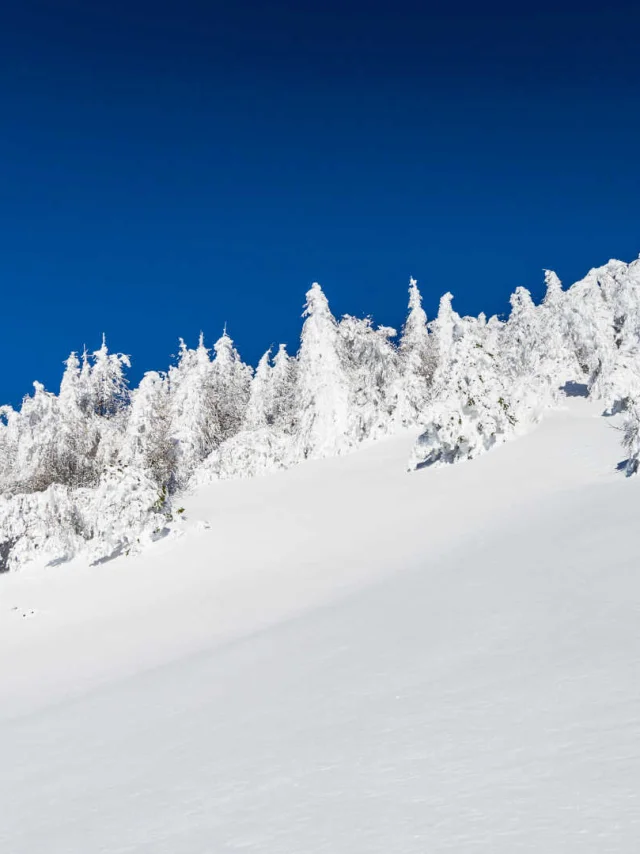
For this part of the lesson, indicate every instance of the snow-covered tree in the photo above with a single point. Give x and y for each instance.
(445, 329)
(521, 335)
(118, 515)
(373, 375)
(230, 389)
(260, 406)
(559, 362)
(524, 358)
(208, 401)
(148, 444)
(193, 423)
(322, 386)
(472, 409)
(554, 294)
(590, 318)
(417, 361)
(107, 384)
(272, 401)
(616, 379)
(284, 377)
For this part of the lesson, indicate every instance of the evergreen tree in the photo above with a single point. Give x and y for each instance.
(230, 389)
(192, 416)
(373, 376)
(260, 406)
(554, 293)
(560, 364)
(520, 345)
(417, 360)
(445, 330)
(148, 444)
(323, 391)
(107, 383)
(284, 411)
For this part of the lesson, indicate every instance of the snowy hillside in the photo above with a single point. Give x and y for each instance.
(100, 470)
(343, 657)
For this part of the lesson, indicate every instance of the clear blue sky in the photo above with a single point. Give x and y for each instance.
(169, 166)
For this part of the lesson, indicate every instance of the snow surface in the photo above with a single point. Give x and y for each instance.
(343, 657)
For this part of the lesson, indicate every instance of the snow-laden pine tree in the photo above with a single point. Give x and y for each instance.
(266, 442)
(107, 385)
(472, 409)
(616, 377)
(70, 438)
(322, 385)
(80, 432)
(109, 397)
(559, 362)
(590, 317)
(148, 445)
(33, 447)
(272, 393)
(445, 330)
(193, 423)
(417, 361)
(66, 489)
(284, 379)
(373, 375)
(524, 359)
(260, 405)
(230, 388)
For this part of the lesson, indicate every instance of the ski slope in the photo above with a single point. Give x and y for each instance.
(343, 658)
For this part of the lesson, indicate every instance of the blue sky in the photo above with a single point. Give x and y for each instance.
(168, 167)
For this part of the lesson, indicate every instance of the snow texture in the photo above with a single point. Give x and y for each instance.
(343, 657)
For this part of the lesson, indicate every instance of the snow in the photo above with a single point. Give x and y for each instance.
(343, 657)
(98, 470)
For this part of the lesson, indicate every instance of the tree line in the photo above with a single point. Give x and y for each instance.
(96, 467)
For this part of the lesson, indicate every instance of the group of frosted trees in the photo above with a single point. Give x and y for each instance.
(96, 467)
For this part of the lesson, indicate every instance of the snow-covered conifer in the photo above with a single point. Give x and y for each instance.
(193, 427)
(230, 388)
(322, 387)
(525, 358)
(283, 391)
(559, 362)
(472, 409)
(553, 293)
(260, 404)
(373, 375)
(108, 385)
(590, 318)
(417, 361)
(445, 329)
(521, 336)
(148, 444)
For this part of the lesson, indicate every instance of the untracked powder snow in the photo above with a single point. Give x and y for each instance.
(343, 657)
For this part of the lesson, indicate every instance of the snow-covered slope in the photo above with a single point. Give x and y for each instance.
(343, 657)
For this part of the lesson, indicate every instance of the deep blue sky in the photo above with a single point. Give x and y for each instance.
(169, 166)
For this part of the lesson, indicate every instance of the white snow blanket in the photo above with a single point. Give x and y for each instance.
(343, 658)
